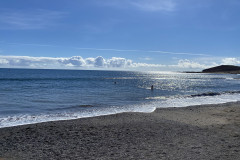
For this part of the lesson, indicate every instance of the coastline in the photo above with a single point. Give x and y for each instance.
(195, 132)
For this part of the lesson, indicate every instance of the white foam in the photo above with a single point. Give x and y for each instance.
(92, 112)
(17, 120)
(191, 101)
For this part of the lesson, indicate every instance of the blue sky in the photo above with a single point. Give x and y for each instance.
(119, 34)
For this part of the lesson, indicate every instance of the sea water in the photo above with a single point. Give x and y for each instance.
(36, 95)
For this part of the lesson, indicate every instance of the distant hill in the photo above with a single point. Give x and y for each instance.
(223, 69)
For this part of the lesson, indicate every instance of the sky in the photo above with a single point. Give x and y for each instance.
(151, 35)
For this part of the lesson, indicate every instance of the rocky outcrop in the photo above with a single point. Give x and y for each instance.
(223, 69)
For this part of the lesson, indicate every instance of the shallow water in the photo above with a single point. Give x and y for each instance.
(32, 96)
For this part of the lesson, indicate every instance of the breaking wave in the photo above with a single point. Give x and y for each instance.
(91, 111)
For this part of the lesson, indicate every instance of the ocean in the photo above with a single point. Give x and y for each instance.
(39, 95)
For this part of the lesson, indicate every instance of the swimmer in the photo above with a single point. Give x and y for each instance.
(152, 87)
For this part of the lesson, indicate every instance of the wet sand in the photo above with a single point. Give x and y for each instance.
(196, 132)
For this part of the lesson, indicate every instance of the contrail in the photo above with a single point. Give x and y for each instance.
(149, 51)
(32, 44)
(106, 49)
(111, 49)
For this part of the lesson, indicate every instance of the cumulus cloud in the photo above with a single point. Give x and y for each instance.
(99, 62)
(78, 62)
(119, 62)
(185, 63)
(3, 61)
(231, 61)
(27, 62)
(71, 62)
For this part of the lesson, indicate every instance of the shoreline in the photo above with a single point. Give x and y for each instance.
(194, 132)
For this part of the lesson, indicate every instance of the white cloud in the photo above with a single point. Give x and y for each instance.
(231, 61)
(99, 62)
(90, 61)
(154, 5)
(149, 66)
(73, 61)
(37, 19)
(4, 61)
(145, 58)
(119, 62)
(143, 5)
(78, 62)
(185, 63)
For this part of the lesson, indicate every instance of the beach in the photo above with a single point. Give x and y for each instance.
(196, 132)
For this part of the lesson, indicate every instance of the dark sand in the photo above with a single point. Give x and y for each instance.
(198, 132)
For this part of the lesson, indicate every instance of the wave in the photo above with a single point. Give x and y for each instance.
(72, 107)
(90, 111)
(213, 93)
(23, 119)
(201, 99)
(207, 94)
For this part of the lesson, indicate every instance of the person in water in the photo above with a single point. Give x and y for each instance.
(152, 87)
